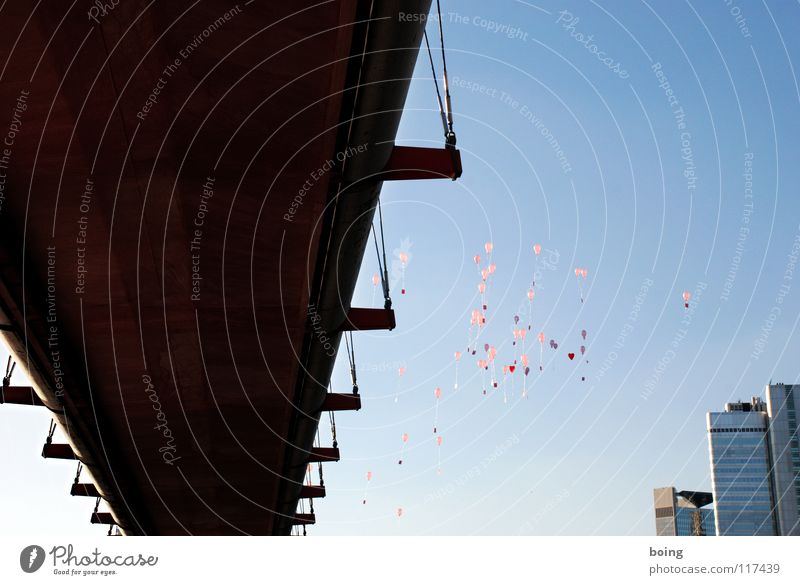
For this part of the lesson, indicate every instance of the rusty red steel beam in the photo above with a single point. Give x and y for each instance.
(58, 451)
(103, 518)
(323, 454)
(359, 319)
(84, 489)
(413, 163)
(312, 491)
(336, 402)
(304, 519)
(20, 395)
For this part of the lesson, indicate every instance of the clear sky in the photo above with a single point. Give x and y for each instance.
(570, 139)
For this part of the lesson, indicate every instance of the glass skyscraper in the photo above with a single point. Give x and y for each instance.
(783, 404)
(683, 513)
(739, 450)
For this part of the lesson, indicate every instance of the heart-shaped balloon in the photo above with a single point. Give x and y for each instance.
(571, 355)
(512, 368)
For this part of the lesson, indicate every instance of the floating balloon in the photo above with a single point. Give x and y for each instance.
(583, 349)
(537, 249)
(488, 247)
(492, 268)
(439, 440)
(531, 294)
(541, 350)
(477, 259)
(399, 512)
(571, 356)
(485, 274)
(375, 279)
(366, 487)
(481, 287)
(580, 273)
(491, 352)
(403, 261)
(583, 333)
(457, 355)
(402, 449)
(686, 296)
(516, 319)
(401, 371)
(438, 394)
(524, 359)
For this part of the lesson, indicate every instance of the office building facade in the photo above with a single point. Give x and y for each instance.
(741, 478)
(683, 513)
(783, 406)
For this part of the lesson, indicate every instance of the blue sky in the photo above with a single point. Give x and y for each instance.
(574, 457)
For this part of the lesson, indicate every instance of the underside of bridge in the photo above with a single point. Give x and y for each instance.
(187, 193)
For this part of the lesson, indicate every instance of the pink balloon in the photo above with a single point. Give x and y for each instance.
(438, 392)
(484, 274)
(439, 440)
(477, 259)
(531, 294)
(405, 437)
(401, 371)
(537, 248)
(492, 268)
(375, 279)
(369, 476)
(524, 359)
(541, 337)
(481, 287)
(457, 355)
(488, 247)
(403, 257)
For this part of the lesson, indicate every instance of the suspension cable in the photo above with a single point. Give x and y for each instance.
(351, 357)
(388, 304)
(451, 135)
(382, 271)
(436, 85)
(333, 428)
